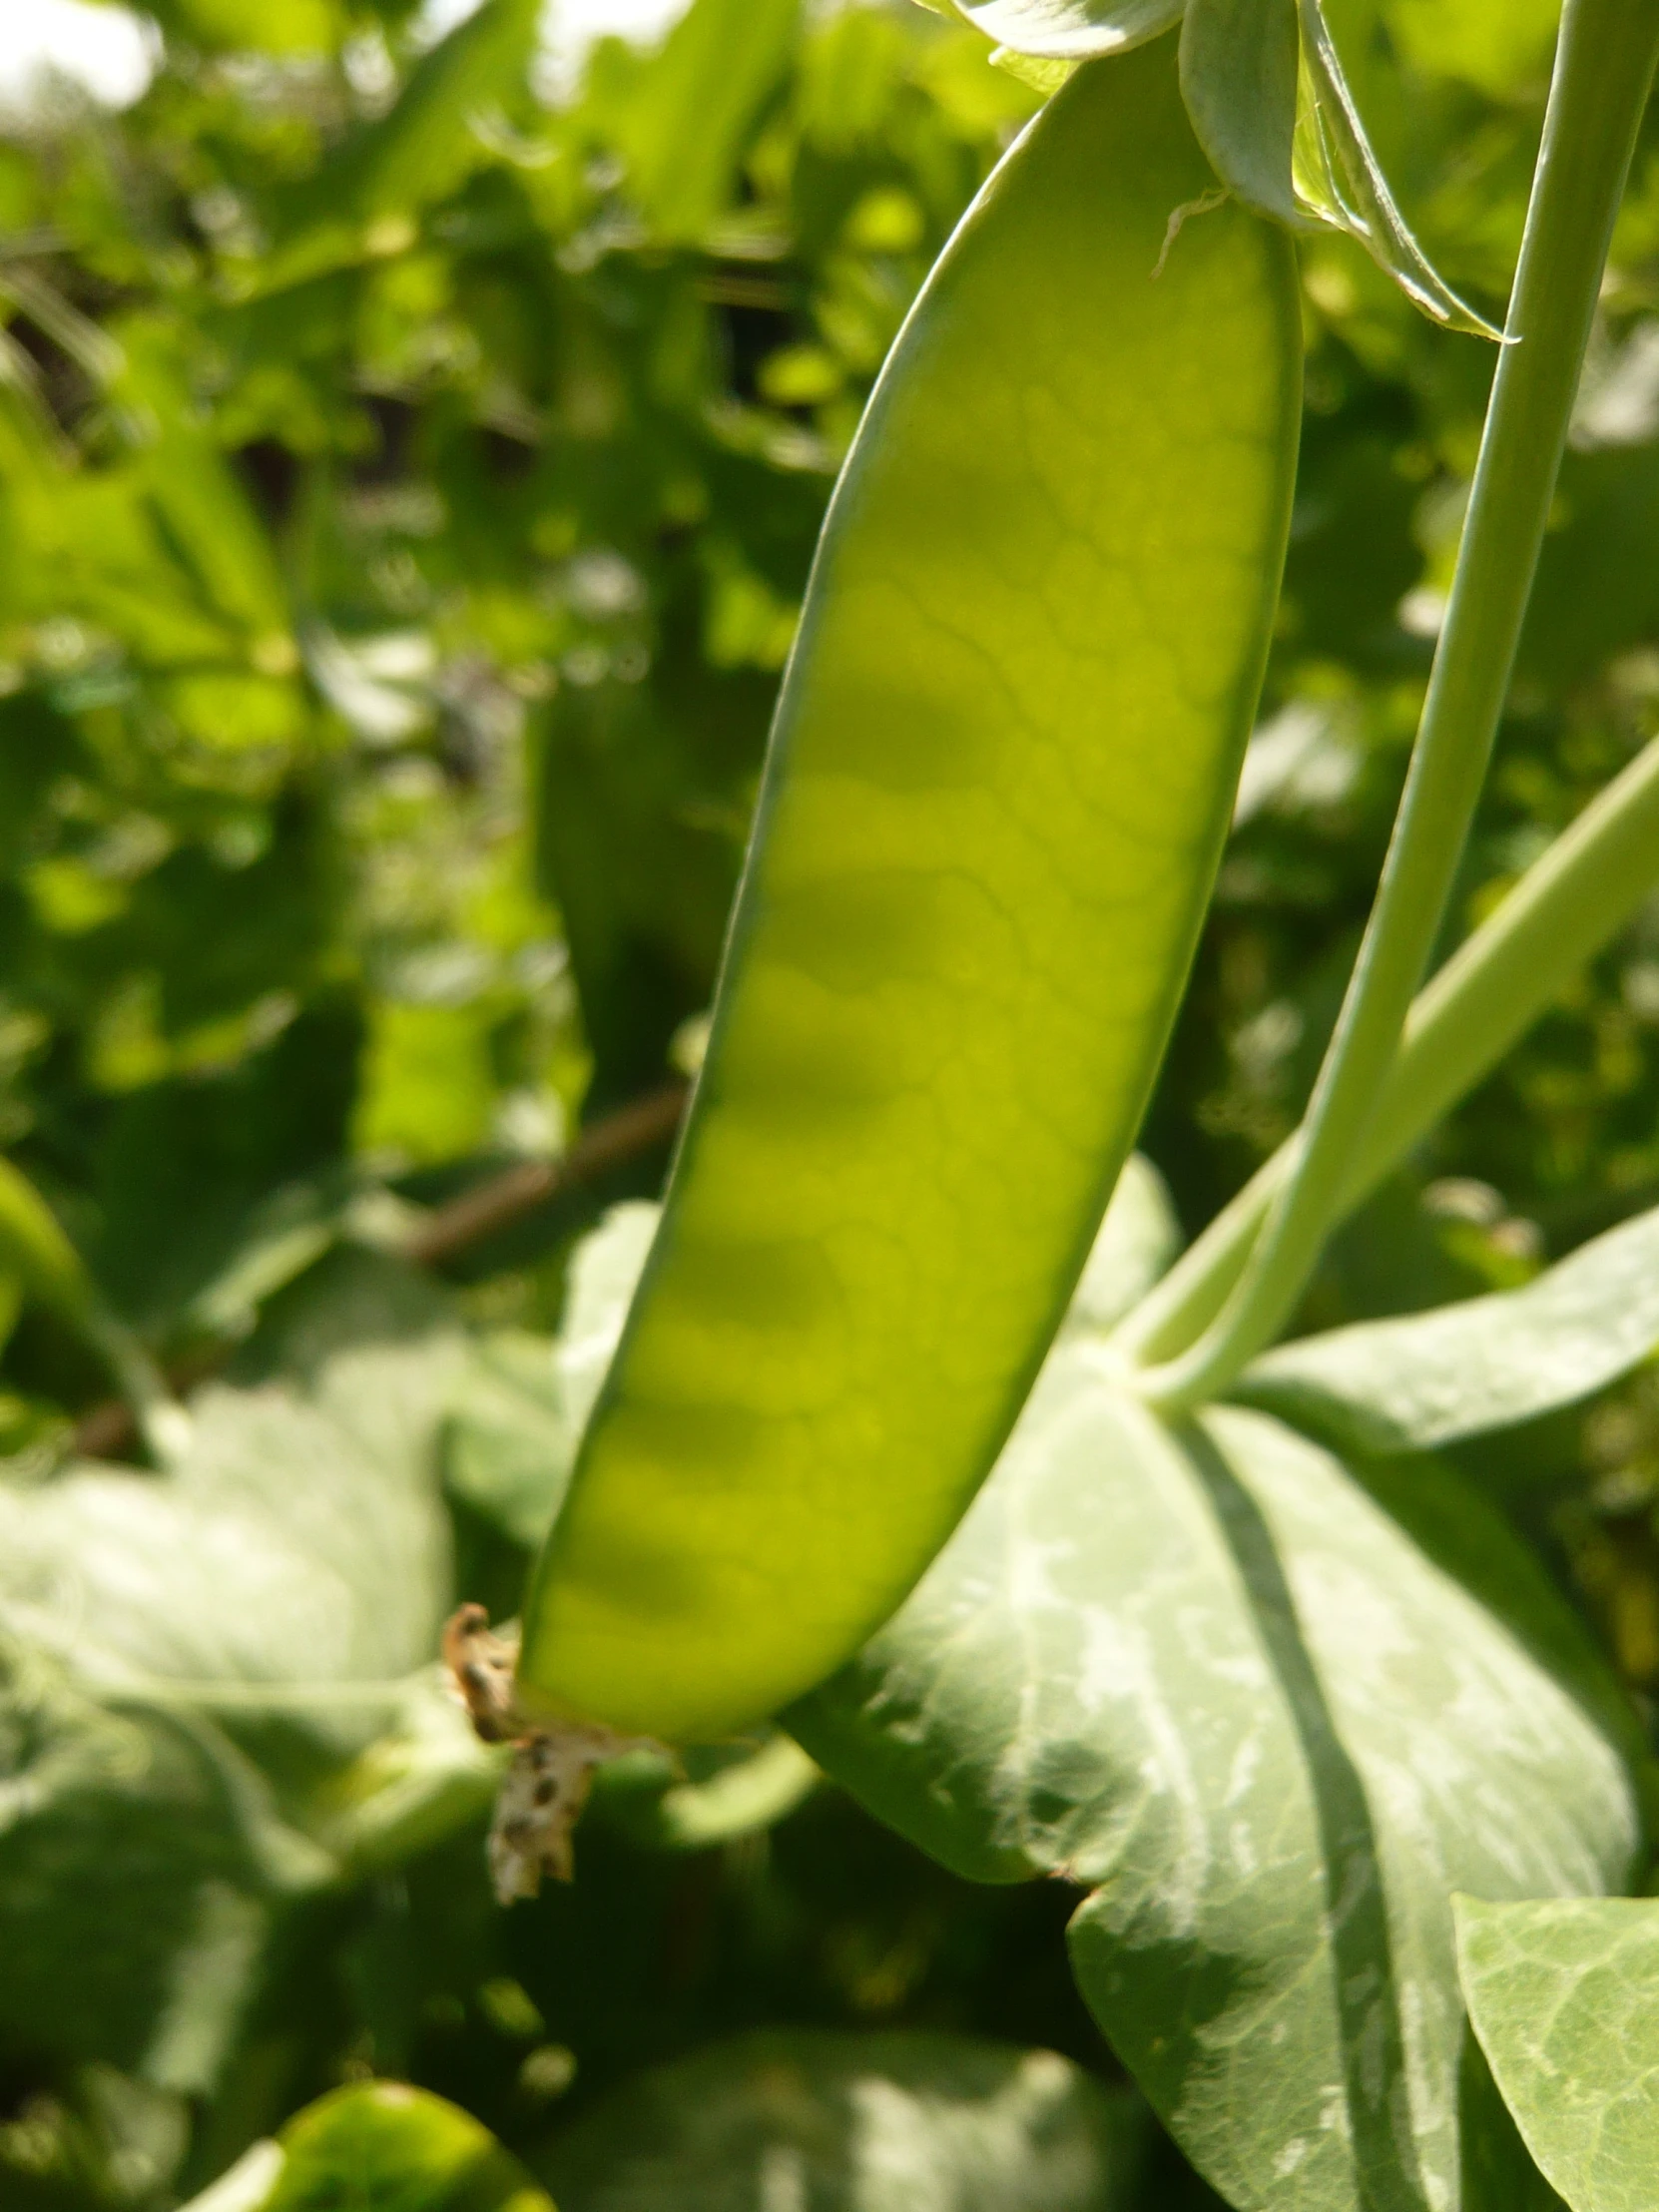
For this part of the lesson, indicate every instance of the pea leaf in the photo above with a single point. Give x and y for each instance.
(521, 1403)
(1561, 1994)
(1136, 1241)
(300, 1538)
(1238, 80)
(157, 1633)
(142, 1860)
(378, 2146)
(1423, 1380)
(1340, 177)
(1070, 30)
(1206, 1675)
(858, 2123)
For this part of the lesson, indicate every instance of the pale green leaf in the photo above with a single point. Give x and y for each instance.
(521, 1403)
(1206, 1675)
(857, 2123)
(1423, 1380)
(266, 1594)
(300, 1539)
(1563, 1994)
(1238, 80)
(1135, 1243)
(1070, 30)
(509, 1440)
(140, 1861)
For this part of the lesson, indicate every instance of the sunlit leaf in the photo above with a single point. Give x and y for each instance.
(1205, 1676)
(1424, 1379)
(1238, 80)
(1562, 1995)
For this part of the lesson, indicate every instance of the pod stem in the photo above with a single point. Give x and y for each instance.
(1604, 65)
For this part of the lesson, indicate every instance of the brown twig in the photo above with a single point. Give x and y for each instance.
(508, 1197)
(108, 1428)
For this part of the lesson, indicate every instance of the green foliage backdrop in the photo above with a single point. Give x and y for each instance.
(408, 475)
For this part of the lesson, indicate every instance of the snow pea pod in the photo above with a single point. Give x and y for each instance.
(999, 783)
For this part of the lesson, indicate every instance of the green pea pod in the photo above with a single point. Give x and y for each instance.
(999, 780)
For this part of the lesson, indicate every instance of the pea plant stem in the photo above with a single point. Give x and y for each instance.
(1488, 994)
(1604, 65)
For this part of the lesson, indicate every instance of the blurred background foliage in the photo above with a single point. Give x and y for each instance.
(409, 466)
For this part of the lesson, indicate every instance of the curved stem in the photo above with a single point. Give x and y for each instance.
(161, 1421)
(1604, 65)
(1567, 906)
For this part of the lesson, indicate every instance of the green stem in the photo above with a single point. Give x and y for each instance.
(161, 1421)
(1563, 910)
(1604, 64)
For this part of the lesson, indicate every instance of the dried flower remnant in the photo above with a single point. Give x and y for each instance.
(553, 1765)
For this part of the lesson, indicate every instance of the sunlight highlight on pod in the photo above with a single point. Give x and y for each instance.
(998, 783)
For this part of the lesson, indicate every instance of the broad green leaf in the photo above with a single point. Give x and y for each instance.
(1238, 80)
(156, 1629)
(1499, 2174)
(1137, 1239)
(857, 2123)
(509, 1443)
(300, 1540)
(141, 1861)
(522, 1402)
(1340, 177)
(378, 2146)
(1423, 1380)
(1206, 1675)
(998, 786)
(1562, 1994)
(1070, 30)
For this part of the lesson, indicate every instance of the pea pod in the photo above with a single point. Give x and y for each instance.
(998, 783)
